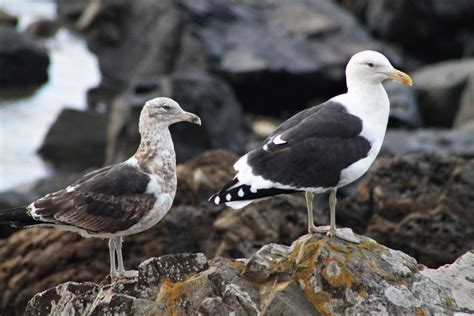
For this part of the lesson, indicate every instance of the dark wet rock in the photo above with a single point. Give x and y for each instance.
(315, 275)
(199, 177)
(42, 28)
(22, 62)
(8, 19)
(432, 30)
(223, 125)
(439, 88)
(69, 11)
(76, 140)
(442, 142)
(421, 204)
(276, 55)
(404, 110)
(465, 116)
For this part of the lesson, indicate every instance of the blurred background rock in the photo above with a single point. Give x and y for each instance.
(74, 75)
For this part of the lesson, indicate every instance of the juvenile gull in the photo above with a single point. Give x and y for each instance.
(321, 148)
(121, 199)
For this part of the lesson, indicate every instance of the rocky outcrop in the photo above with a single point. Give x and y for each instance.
(439, 88)
(465, 116)
(437, 141)
(316, 275)
(8, 19)
(432, 30)
(76, 140)
(421, 204)
(42, 28)
(277, 55)
(23, 63)
(223, 124)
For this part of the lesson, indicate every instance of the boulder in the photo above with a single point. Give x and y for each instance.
(421, 204)
(438, 141)
(69, 11)
(404, 110)
(277, 55)
(8, 19)
(207, 96)
(316, 275)
(42, 28)
(76, 140)
(465, 115)
(439, 88)
(23, 63)
(431, 30)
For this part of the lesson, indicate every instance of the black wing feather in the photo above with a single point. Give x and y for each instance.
(319, 144)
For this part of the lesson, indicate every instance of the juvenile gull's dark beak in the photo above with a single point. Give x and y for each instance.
(190, 117)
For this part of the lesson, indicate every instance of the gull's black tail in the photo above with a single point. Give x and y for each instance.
(238, 195)
(17, 217)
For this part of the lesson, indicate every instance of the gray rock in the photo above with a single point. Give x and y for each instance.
(404, 111)
(316, 275)
(69, 11)
(419, 203)
(23, 63)
(439, 88)
(431, 29)
(42, 28)
(442, 142)
(465, 115)
(277, 55)
(207, 96)
(76, 140)
(8, 19)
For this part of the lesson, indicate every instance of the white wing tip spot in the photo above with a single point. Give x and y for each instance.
(253, 190)
(228, 197)
(278, 141)
(217, 200)
(240, 193)
(70, 189)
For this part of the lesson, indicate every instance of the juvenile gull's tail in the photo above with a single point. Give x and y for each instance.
(17, 217)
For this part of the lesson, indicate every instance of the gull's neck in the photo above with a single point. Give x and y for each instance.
(368, 101)
(156, 154)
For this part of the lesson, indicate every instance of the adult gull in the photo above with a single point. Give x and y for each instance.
(321, 148)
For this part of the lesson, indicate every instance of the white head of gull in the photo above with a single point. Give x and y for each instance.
(323, 147)
(121, 199)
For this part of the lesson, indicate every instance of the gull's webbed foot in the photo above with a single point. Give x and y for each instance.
(130, 274)
(342, 233)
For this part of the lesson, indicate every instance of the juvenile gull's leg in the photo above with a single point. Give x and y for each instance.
(113, 268)
(121, 269)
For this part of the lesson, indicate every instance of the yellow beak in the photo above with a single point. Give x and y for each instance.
(400, 76)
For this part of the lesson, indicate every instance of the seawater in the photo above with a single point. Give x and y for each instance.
(24, 121)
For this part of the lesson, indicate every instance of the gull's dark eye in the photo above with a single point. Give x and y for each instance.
(370, 65)
(166, 107)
